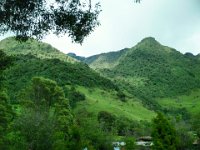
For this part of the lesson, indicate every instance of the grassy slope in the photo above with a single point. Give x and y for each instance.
(101, 100)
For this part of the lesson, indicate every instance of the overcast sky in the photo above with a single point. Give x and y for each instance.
(174, 23)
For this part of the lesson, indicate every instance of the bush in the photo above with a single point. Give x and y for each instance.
(75, 96)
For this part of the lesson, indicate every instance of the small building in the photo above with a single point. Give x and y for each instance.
(144, 141)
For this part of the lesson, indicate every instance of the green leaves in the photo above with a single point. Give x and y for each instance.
(47, 123)
(45, 89)
(74, 96)
(6, 117)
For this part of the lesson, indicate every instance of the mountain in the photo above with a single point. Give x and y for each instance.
(149, 70)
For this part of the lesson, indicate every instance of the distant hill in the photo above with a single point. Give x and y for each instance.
(149, 69)
(105, 60)
(33, 47)
(73, 55)
(189, 55)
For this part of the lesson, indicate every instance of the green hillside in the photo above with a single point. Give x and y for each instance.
(150, 70)
(33, 47)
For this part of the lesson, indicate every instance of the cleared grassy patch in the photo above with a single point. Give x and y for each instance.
(190, 101)
(100, 100)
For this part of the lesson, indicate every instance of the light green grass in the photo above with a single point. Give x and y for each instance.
(190, 101)
(99, 100)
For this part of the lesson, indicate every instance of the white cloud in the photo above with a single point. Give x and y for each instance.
(124, 24)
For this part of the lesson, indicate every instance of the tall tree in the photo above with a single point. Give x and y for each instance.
(164, 134)
(196, 128)
(46, 123)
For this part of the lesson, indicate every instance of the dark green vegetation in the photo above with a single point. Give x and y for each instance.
(50, 101)
(6, 113)
(164, 134)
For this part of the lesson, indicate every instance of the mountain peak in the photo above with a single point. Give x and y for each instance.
(149, 40)
(149, 43)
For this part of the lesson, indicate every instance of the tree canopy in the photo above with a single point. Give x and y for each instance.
(37, 18)
(164, 134)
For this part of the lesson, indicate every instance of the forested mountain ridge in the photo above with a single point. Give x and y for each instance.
(33, 47)
(149, 69)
